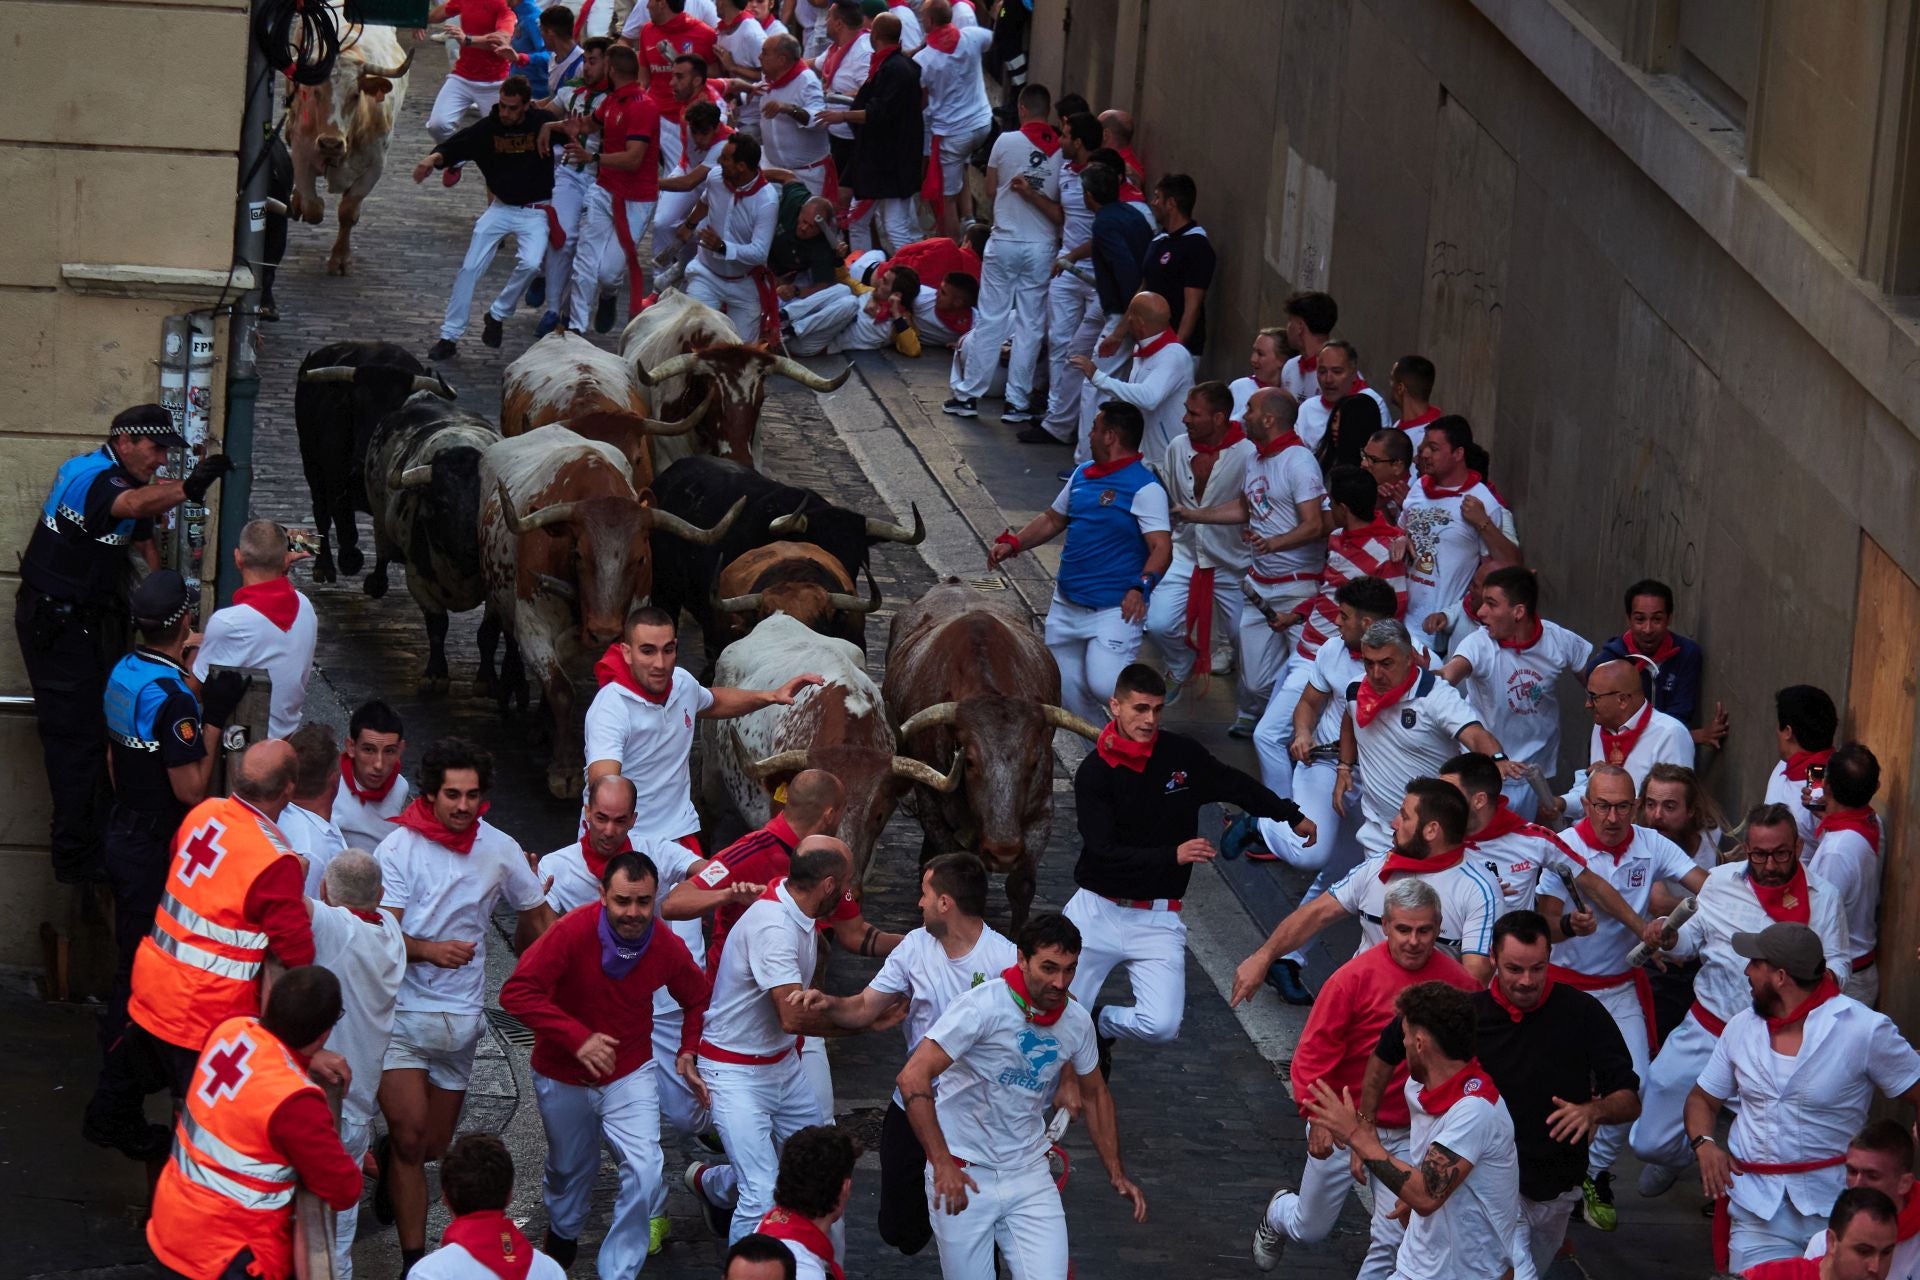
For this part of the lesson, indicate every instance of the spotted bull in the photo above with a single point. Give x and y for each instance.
(340, 130)
(801, 581)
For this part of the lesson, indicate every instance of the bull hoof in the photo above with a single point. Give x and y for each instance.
(338, 264)
(351, 559)
(432, 687)
(563, 783)
(376, 585)
(323, 570)
(484, 686)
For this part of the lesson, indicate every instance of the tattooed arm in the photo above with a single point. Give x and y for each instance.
(1423, 1189)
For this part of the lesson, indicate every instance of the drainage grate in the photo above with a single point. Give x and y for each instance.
(995, 583)
(511, 1029)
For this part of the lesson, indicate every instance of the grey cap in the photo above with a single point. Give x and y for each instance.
(159, 600)
(1785, 945)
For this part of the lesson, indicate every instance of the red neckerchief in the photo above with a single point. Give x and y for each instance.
(493, 1241)
(1147, 351)
(597, 864)
(1514, 1012)
(1124, 753)
(1626, 737)
(1235, 434)
(372, 915)
(1132, 161)
(1471, 1080)
(1861, 820)
(1435, 491)
(960, 322)
(1370, 704)
(1017, 984)
(1130, 194)
(1797, 764)
(1414, 424)
(1827, 989)
(613, 669)
(1791, 901)
(724, 27)
(1380, 527)
(1667, 648)
(741, 193)
(365, 795)
(1506, 822)
(880, 56)
(1909, 1221)
(275, 600)
(785, 1224)
(1100, 470)
(946, 39)
(1584, 829)
(1285, 440)
(1308, 363)
(1038, 132)
(1397, 861)
(1539, 629)
(830, 60)
(792, 73)
(418, 817)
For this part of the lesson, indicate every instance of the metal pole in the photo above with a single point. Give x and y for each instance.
(243, 378)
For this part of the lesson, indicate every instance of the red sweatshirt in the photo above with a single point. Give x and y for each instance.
(560, 990)
(301, 1129)
(1347, 1018)
(277, 902)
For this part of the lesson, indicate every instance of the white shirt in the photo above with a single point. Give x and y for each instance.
(790, 144)
(652, 741)
(912, 34)
(370, 959)
(742, 44)
(1517, 859)
(811, 18)
(956, 90)
(1469, 903)
(314, 838)
(1300, 383)
(1334, 669)
(1410, 739)
(991, 1101)
(1275, 488)
(1809, 1106)
(805, 1265)
(771, 945)
(1316, 413)
(1013, 156)
(1516, 691)
(1726, 907)
(849, 76)
(240, 636)
(927, 320)
(1445, 548)
(745, 223)
(1649, 858)
(1784, 790)
(451, 1262)
(1474, 1234)
(1243, 389)
(445, 895)
(1211, 546)
(364, 823)
(1157, 385)
(1664, 741)
(1846, 861)
(920, 969)
(1077, 229)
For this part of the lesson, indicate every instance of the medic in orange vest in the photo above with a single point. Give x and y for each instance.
(254, 1128)
(234, 892)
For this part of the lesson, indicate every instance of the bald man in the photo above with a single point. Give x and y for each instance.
(791, 101)
(269, 624)
(1627, 731)
(1116, 134)
(1158, 380)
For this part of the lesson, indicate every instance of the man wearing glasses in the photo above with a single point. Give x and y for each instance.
(1388, 458)
(1743, 896)
(1627, 731)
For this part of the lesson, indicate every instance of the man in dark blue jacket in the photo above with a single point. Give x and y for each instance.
(1650, 644)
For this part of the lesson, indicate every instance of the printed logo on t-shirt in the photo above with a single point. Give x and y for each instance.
(978, 978)
(1177, 780)
(1526, 691)
(1166, 257)
(1473, 1085)
(1424, 526)
(1637, 875)
(1107, 496)
(1409, 718)
(1041, 1052)
(716, 871)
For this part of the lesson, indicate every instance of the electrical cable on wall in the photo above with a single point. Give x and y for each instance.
(299, 38)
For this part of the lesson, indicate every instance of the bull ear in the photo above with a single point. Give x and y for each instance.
(645, 497)
(375, 86)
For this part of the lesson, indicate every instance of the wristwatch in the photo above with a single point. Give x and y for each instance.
(1498, 757)
(1693, 1144)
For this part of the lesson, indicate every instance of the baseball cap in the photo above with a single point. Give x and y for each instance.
(159, 600)
(151, 421)
(1785, 945)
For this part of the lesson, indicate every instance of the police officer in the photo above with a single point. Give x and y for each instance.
(159, 764)
(69, 609)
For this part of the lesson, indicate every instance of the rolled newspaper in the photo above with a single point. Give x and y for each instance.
(1675, 918)
(1542, 792)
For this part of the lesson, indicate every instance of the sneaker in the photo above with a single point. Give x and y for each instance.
(560, 1250)
(1268, 1244)
(491, 331)
(1284, 977)
(1039, 435)
(445, 349)
(1241, 836)
(1176, 689)
(1657, 1179)
(537, 292)
(719, 1218)
(382, 1193)
(606, 313)
(1596, 1200)
(1223, 660)
(1014, 414)
(450, 177)
(961, 407)
(1242, 726)
(658, 1229)
(548, 323)
(131, 1135)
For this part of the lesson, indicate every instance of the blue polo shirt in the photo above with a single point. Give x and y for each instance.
(1109, 514)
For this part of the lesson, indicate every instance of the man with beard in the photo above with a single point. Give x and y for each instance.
(1805, 1062)
(1674, 802)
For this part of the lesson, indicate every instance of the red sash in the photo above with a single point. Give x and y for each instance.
(1198, 631)
(1723, 1220)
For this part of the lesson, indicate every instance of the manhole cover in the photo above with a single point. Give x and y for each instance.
(995, 583)
(514, 1031)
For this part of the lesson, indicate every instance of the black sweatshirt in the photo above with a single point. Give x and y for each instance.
(1570, 1047)
(1133, 824)
(508, 155)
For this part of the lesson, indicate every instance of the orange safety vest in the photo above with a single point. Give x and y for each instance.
(226, 1188)
(201, 964)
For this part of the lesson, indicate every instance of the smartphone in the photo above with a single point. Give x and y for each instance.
(1816, 786)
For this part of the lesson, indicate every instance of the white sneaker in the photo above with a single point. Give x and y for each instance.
(1176, 689)
(1268, 1244)
(1223, 660)
(1657, 1179)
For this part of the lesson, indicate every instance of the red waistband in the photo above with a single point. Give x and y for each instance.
(1866, 961)
(1145, 904)
(1283, 578)
(1723, 1220)
(1705, 1017)
(710, 1050)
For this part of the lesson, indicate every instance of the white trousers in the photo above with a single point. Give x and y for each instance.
(1307, 1215)
(346, 1223)
(1659, 1136)
(1754, 1240)
(1167, 614)
(1546, 1222)
(898, 221)
(1018, 1210)
(1013, 300)
(1091, 397)
(813, 177)
(756, 1109)
(953, 157)
(670, 213)
(673, 147)
(1152, 944)
(625, 1114)
(819, 318)
(1073, 326)
(599, 263)
(571, 187)
(1092, 647)
(1624, 1005)
(459, 96)
(528, 227)
(1264, 651)
(1334, 841)
(738, 297)
(1273, 735)
(680, 1111)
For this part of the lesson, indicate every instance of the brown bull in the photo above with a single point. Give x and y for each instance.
(565, 380)
(967, 676)
(340, 130)
(803, 581)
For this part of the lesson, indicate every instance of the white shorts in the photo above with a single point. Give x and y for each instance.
(953, 158)
(440, 1044)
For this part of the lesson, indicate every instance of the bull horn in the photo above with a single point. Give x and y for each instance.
(1061, 718)
(661, 427)
(556, 586)
(329, 373)
(884, 531)
(938, 715)
(761, 770)
(684, 363)
(926, 775)
(667, 522)
(738, 604)
(411, 478)
(807, 377)
(398, 71)
(555, 514)
(854, 604)
(436, 384)
(789, 525)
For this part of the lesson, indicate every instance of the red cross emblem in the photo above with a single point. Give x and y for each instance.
(200, 855)
(225, 1068)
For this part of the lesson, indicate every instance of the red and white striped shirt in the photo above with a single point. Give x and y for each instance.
(1366, 552)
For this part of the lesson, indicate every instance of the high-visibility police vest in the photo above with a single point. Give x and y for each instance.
(138, 689)
(201, 964)
(63, 562)
(226, 1188)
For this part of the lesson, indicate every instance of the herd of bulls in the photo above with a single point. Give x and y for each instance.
(550, 522)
